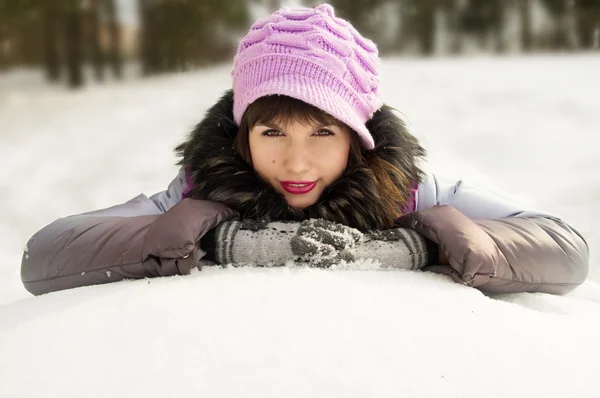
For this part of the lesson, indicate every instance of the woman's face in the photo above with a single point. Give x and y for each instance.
(299, 160)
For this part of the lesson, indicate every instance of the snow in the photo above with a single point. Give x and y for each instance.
(527, 125)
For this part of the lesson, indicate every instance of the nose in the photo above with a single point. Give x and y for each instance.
(297, 158)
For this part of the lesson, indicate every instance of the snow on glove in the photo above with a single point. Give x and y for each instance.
(323, 243)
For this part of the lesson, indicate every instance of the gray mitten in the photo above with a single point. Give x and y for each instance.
(318, 243)
(401, 248)
(254, 243)
(322, 243)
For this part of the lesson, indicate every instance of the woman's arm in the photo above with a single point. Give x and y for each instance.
(143, 237)
(495, 245)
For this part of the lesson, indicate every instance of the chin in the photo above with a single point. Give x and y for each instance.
(301, 203)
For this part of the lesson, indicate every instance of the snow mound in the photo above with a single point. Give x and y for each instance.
(298, 332)
(528, 125)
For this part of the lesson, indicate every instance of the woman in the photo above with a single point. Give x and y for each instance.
(301, 160)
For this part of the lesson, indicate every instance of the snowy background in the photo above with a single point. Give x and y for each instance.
(526, 125)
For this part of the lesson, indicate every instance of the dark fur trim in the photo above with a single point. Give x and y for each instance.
(220, 175)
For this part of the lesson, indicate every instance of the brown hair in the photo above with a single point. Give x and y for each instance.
(284, 109)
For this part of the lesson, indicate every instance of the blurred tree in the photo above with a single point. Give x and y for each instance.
(147, 55)
(114, 34)
(3, 38)
(563, 13)
(425, 18)
(588, 23)
(73, 43)
(51, 22)
(497, 21)
(178, 34)
(20, 30)
(357, 12)
(483, 18)
(452, 11)
(5, 33)
(93, 38)
(419, 21)
(525, 15)
(30, 31)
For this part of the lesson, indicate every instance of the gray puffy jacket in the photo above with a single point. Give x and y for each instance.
(490, 243)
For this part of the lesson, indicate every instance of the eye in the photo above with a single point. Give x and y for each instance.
(323, 133)
(271, 133)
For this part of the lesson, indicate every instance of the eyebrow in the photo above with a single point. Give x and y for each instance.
(270, 125)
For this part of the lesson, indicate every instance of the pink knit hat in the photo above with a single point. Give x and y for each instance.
(311, 55)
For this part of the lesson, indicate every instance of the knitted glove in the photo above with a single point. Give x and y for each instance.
(324, 243)
(251, 242)
(401, 248)
(317, 243)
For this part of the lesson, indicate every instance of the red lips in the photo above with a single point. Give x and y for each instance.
(298, 187)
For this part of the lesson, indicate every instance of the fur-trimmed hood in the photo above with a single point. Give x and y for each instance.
(219, 174)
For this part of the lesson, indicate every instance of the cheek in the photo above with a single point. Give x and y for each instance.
(264, 160)
(333, 161)
(338, 164)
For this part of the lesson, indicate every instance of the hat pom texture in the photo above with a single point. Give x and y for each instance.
(313, 56)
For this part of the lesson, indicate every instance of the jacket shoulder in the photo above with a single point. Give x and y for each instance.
(475, 200)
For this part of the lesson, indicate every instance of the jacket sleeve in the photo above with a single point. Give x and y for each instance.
(497, 246)
(141, 238)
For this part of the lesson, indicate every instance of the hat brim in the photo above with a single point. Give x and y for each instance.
(316, 94)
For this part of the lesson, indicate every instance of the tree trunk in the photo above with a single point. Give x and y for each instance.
(499, 18)
(73, 44)
(114, 29)
(400, 38)
(51, 23)
(588, 24)
(94, 40)
(453, 12)
(3, 56)
(427, 27)
(571, 37)
(144, 34)
(525, 11)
